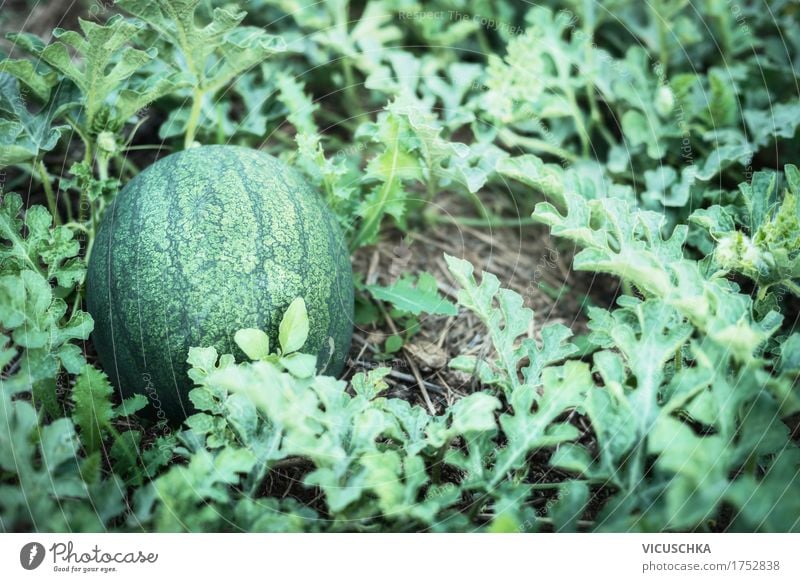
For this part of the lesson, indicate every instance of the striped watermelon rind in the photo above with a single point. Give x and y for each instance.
(201, 244)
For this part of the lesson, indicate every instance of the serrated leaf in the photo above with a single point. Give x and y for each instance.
(779, 121)
(58, 443)
(130, 406)
(532, 171)
(371, 383)
(507, 321)
(413, 297)
(25, 136)
(392, 167)
(38, 80)
(93, 411)
(240, 48)
(474, 413)
(563, 388)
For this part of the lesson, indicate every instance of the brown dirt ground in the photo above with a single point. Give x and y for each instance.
(524, 258)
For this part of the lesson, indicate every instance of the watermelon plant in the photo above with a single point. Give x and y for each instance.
(379, 266)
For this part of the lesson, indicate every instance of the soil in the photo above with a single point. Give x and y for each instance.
(524, 258)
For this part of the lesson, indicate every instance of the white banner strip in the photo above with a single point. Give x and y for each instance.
(401, 557)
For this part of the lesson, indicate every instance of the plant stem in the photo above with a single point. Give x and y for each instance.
(126, 164)
(87, 159)
(663, 55)
(220, 127)
(102, 166)
(194, 117)
(349, 83)
(678, 359)
(489, 222)
(147, 147)
(627, 288)
(476, 506)
(583, 132)
(564, 74)
(436, 475)
(89, 244)
(373, 217)
(266, 466)
(351, 97)
(595, 118)
(78, 226)
(68, 204)
(479, 206)
(556, 484)
(724, 26)
(792, 286)
(431, 186)
(511, 139)
(48, 191)
(588, 33)
(484, 43)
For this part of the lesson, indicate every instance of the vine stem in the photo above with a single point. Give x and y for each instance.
(102, 166)
(512, 139)
(557, 484)
(83, 199)
(564, 74)
(792, 286)
(483, 42)
(663, 54)
(350, 82)
(588, 33)
(266, 466)
(351, 97)
(68, 204)
(438, 460)
(126, 164)
(194, 117)
(491, 222)
(48, 191)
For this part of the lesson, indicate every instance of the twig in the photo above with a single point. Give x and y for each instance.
(409, 378)
(372, 272)
(420, 382)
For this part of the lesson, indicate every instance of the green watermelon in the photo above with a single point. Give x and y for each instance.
(201, 244)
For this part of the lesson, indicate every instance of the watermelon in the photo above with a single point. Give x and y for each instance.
(201, 244)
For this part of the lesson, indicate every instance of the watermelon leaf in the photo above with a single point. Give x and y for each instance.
(130, 406)
(300, 365)
(293, 330)
(413, 297)
(93, 413)
(253, 342)
(108, 62)
(212, 55)
(26, 136)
